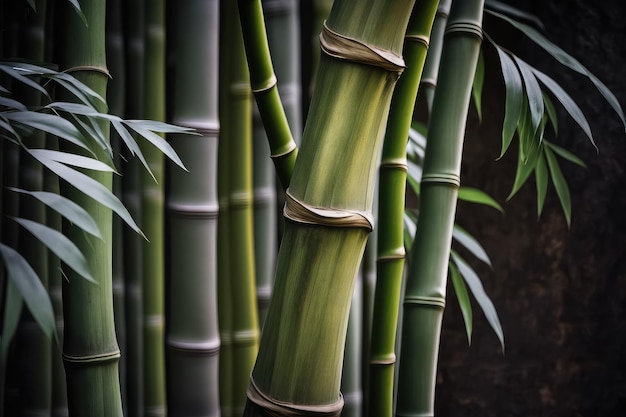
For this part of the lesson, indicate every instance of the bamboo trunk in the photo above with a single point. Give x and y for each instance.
(90, 349)
(153, 217)
(131, 196)
(192, 340)
(391, 253)
(328, 213)
(424, 298)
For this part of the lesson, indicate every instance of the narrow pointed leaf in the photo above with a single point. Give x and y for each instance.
(524, 169)
(23, 79)
(470, 243)
(567, 102)
(464, 301)
(541, 180)
(76, 5)
(477, 87)
(157, 141)
(513, 104)
(533, 92)
(93, 189)
(80, 90)
(478, 291)
(498, 6)
(161, 127)
(92, 130)
(560, 184)
(12, 104)
(60, 245)
(29, 286)
(132, 146)
(551, 112)
(71, 159)
(410, 227)
(564, 153)
(474, 195)
(567, 60)
(74, 213)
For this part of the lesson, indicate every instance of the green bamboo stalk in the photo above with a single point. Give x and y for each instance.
(33, 348)
(152, 194)
(391, 254)
(192, 339)
(90, 349)
(368, 286)
(131, 197)
(424, 298)
(115, 99)
(351, 369)
(299, 361)
(428, 82)
(245, 333)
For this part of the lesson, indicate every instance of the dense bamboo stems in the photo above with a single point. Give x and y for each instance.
(245, 333)
(192, 340)
(426, 282)
(90, 350)
(328, 213)
(428, 81)
(391, 254)
(133, 243)
(152, 193)
(33, 348)
(263, 82)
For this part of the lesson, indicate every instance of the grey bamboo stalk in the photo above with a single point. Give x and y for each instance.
(263, 82)
(34, 349)
(90, 349)
(115, 100)
(245, 329)
(428, 81)
(131, 196)
(424, 298)
(299, 362)
(152, 193)
(192, 339)
(390, 248)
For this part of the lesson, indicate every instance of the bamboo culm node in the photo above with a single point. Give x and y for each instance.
(112, 356)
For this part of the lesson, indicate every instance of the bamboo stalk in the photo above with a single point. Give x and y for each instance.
(424, 298)
(192, 340)
(90, 349)
(299, 361)
(133, 244)
(351, 369)
(390, 247)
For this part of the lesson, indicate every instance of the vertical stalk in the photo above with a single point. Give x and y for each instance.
(328, 212)
(351, 369)
(134, 21)
(391, 254)
(90, 349)
(192, 340)
(153, 216)
(424, 298)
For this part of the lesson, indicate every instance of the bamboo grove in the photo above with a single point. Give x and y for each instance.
(189, 191)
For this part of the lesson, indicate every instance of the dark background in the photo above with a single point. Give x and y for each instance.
(560, 293)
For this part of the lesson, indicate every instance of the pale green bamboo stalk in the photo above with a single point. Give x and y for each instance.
(299, 361)
(134, 22)
(424, 298)
(245, 329)
(192, 339)
(33, 348)
(428, 82)
(115, 100)
(90, 349)
(152, 193)
(390, 247)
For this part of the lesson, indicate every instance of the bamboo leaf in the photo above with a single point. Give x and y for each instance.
(541, 180)
(93, 131)
(49, 123)
(60, 245)
(156, 140)
(464, 301)
(10, 70)
(474, 195)
(12, 311)
(567, 102)
(131, 144)
(66, 208)
(533, 92)
(564, 153)
(71, 159)
(470, 243)
(498, 6)
(476, 287)
(551, 112)
(30, 288)
(161, 127)
(80, 90)
(477, 86)
(560, 184)
(410, 227)
(93, 189)
(12, 104)
(76, 7)
(567, 60)
(524, 169)
(514, 102)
